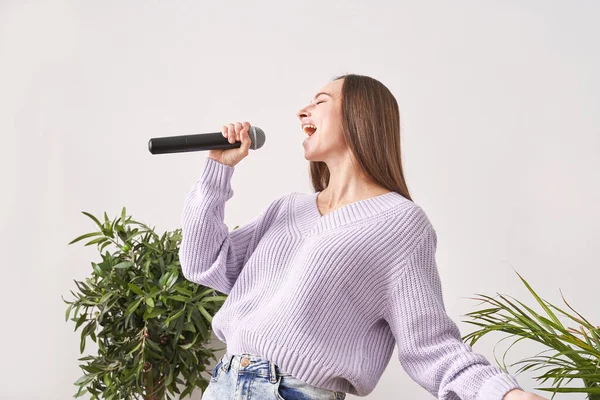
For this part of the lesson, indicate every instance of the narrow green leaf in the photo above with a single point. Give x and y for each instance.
(82, 390)
(205, 313)
(179, 298)
(95, 241)
(106, 221)
(186, 346)
(173, 278)
(595, 332)
(175, 316)
(134, 288)
(202, 294)
(81, 320)
(183, 291)
(154, 313)
(136, 348)
(549, 325)
(187, 392)
(169, 377)
(68, 312)
(87, 235)
(214, 299)
(145, 243)
(132, 307)
(123, 265)
(104, 245)
(200, 324)
(93, 218)
(539, 300)
(591, 390)
(97, 269)
(82, 343)
(106, 380)
(83, 380)
(105, 297)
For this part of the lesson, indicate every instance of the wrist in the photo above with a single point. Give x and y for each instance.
(514, 394)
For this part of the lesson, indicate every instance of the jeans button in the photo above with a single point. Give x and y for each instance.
(244, 362)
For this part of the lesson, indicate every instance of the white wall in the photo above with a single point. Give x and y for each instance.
(501, 140)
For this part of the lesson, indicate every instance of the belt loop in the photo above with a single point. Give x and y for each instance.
(227, 364)
(272, 374)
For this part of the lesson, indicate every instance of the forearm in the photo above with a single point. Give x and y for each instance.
(514, 394)
(518, 394)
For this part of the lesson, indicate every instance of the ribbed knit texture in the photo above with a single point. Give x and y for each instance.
(327, 298)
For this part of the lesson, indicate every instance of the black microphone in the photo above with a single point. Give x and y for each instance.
(202, 141)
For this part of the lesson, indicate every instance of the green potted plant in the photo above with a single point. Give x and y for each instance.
(577, 351)
(151, 325)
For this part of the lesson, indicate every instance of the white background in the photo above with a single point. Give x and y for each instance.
(500, 137)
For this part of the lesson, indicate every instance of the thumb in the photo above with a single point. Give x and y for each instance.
(246, 142)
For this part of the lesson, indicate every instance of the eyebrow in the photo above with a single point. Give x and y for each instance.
(320, 93)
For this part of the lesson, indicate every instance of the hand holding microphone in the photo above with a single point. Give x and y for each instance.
(228, 147)
(233, 132)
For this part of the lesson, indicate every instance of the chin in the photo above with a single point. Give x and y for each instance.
(311, 154)
(312, 159)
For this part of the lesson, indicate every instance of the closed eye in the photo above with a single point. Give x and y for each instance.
(319, 102)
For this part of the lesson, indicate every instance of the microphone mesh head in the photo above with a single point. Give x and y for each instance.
(257, 136)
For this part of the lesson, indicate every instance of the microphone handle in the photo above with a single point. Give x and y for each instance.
(185, 143)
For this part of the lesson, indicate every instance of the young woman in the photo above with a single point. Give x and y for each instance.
(323, 286)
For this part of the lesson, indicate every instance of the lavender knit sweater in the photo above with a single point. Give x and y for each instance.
(327, 298)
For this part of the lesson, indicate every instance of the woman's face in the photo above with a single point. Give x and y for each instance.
(325, 114)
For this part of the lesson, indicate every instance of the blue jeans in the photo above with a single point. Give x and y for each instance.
(251, 377)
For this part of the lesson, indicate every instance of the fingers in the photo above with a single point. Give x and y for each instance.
(231, 133)
(238, 129)
(246, 125)
(236, 132)
(246, 142)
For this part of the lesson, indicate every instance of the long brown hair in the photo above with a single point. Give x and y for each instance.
(371, 125)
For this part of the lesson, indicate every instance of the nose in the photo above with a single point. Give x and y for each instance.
(303, 113)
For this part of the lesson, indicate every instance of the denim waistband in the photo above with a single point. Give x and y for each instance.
(246, 363)
(252, 364)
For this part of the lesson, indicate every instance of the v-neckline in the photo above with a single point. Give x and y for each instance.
(316, 201)
(310, 220)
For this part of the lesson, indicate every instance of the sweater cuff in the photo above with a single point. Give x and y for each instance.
(497, 386)
(216, 175)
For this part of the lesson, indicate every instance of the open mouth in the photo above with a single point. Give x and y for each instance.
(309, 129)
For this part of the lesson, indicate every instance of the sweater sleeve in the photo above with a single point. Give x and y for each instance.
(209, 253)
(430, 347)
